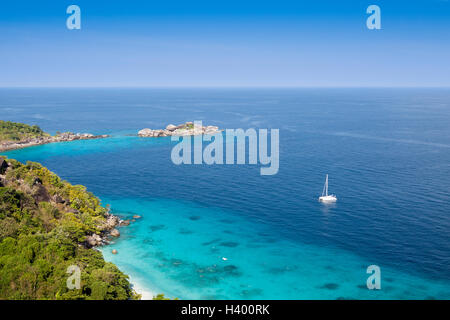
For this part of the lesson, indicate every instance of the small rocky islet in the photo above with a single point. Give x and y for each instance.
(185, 129)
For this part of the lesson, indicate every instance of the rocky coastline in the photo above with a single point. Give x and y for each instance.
(108, 231)
(185, 129)
(58, 224)
(62, 137)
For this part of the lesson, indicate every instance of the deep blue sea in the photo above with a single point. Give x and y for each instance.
(387, 153)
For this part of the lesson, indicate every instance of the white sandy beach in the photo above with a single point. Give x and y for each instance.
(147, 294)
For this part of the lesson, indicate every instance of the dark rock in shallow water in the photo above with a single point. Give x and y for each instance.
(362, 286)
(185, 231)
(282, 270)
(194, 218)
(157, 227)
(229, 244)
(251, 292)
(210, 242)
(330, 286)
(232, 270)
(176, 262)
(147, 240)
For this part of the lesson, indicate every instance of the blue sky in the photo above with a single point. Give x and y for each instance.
(231, 43)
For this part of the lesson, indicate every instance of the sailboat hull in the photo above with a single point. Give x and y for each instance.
(328, 198)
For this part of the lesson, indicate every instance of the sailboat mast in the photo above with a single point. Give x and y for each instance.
(326, 186)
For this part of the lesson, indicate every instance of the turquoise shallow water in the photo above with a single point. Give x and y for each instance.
(387, 153)
(177, 248)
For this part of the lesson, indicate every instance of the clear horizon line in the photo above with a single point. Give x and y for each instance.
(232, 87)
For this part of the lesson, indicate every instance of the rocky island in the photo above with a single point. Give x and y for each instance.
(15, 135)
(185, 129)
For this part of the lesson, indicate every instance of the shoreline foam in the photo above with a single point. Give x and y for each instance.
(145, 292)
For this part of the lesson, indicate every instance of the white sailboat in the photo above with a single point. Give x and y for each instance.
(325, 197)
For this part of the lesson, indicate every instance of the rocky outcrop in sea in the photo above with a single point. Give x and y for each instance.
(62, 137)
(185, 129)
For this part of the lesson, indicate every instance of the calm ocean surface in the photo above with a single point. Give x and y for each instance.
(387, 153)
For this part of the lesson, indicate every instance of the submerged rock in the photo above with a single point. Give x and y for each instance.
(330, 286)
(124, 223)
(114, 251)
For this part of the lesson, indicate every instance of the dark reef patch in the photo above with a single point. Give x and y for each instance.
(229, 244)
(157, 227)
(194, 218)
(176, 262)
(211, 242)
(280, 270)
(148, 241)
(330, 286)
(248, 293)
(362, 286)
(185, 231)
(232, 270)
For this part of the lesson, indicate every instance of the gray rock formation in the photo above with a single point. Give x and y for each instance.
(186, 129)
(115, 233)
(124, 223)
(94, 240)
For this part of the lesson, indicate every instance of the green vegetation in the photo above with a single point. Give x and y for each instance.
(44, 222)
(161, 296)
(14, 131)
